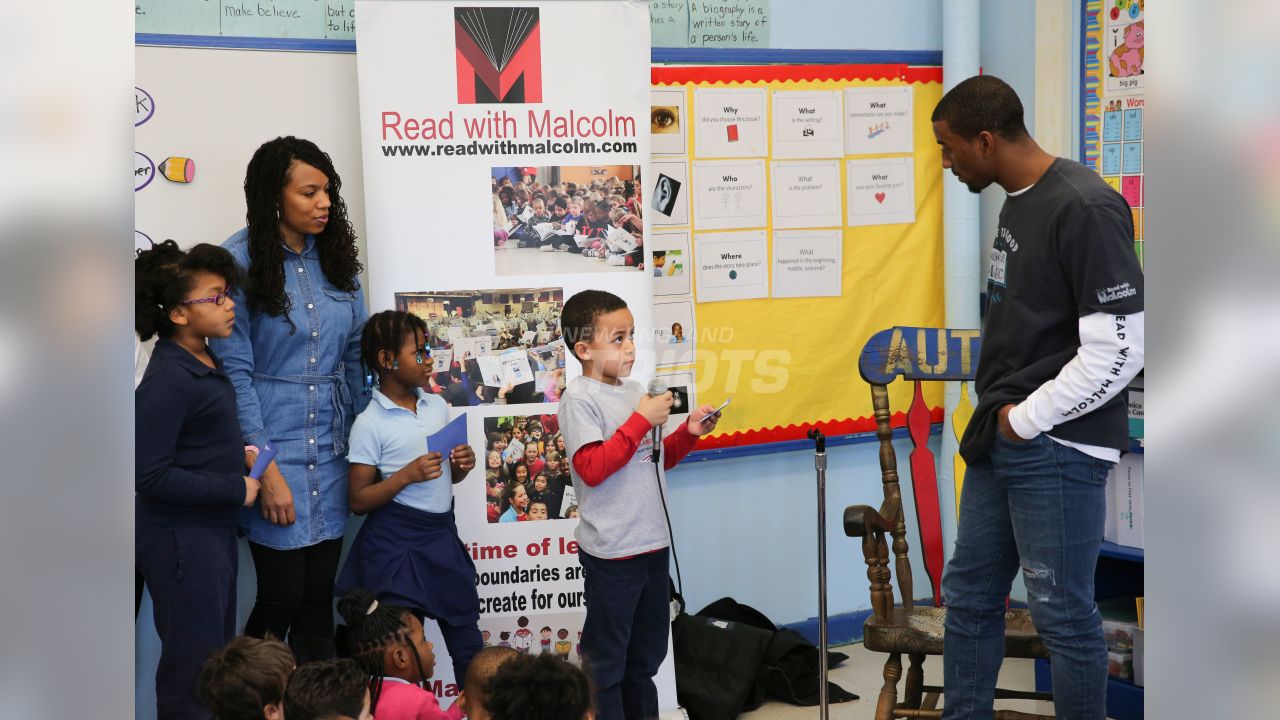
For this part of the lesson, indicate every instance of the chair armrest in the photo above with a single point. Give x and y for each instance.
(859, 520)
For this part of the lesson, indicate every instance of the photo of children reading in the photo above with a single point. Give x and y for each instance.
(526, 470)
(492, 347)
(567, 219)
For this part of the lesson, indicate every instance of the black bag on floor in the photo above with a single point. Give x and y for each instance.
(789, 669)
(717, 663)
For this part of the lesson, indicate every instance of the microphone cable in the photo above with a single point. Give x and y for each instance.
(657, 387)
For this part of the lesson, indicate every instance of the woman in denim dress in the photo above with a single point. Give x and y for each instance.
(294, 359)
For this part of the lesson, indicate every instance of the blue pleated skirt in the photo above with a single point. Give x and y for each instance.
(414, 559)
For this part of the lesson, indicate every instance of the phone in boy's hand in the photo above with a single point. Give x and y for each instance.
(715, 412)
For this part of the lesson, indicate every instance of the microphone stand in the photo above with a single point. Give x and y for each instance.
(820, 463)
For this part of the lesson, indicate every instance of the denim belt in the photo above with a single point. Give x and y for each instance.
(341, 399)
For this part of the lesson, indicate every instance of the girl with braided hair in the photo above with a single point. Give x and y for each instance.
(408, 552)
(293, 358)
(388, 642)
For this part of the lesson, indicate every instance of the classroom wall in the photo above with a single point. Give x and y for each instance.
(1008, 51)
(840, 24)
(744, 527)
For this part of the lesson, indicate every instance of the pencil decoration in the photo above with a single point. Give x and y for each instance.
(178, 169)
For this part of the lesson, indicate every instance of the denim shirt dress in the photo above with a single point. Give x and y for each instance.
(299, 390)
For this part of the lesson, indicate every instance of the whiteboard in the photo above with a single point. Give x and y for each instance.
(216, 107)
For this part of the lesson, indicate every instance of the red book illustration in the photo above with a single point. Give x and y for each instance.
(733, 132)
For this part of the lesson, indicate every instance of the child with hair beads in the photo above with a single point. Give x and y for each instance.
(245, 680)
(623, 540)
(189, 476)
(388, 643)
(408, 552)
(539, 687)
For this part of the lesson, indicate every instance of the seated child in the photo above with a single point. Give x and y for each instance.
(560, 218)
(533, 687)
(620, 218)
(328, 690)
(479, 673)
(595, 228)
(524, 234)
(389, 644)
(245, 680)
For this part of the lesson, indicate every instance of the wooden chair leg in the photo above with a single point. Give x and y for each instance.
(914, 688)
(930, 701)
(889, 693)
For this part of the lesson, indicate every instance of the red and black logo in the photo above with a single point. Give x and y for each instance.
(499, 55)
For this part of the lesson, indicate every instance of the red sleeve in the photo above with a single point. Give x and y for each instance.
(598, 460)
(676, 446)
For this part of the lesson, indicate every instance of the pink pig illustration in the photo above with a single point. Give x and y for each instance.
(1126, 59)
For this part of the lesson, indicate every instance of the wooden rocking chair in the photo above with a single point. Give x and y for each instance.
(918, 354)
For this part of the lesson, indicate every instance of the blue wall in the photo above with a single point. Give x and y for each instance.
(846, 25)
(747, 528)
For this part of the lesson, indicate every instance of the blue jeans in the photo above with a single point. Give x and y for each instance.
(624, 638)
(1039, 506)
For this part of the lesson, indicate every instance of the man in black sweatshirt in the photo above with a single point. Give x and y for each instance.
(1061, 339)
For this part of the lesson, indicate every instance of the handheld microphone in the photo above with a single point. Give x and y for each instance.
(657, 386)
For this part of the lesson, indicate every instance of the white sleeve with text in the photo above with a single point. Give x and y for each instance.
(1110, 356)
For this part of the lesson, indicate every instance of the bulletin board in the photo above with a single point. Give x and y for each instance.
(1113, 101)
(794, 240)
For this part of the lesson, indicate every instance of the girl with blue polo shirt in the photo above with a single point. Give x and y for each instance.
(408, 551)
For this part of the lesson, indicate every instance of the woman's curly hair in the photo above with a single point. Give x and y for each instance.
(264, 183)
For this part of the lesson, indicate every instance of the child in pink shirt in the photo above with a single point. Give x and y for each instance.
(389, 643)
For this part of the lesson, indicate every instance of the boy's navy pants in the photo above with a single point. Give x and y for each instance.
(624, 638)
(191, 575)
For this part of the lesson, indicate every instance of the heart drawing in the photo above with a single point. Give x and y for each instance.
(880, 198)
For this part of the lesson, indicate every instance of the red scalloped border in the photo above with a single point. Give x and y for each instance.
(778, 433)
(662, 75)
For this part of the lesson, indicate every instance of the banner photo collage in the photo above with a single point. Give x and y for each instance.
(484, 178)
(790, 184)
